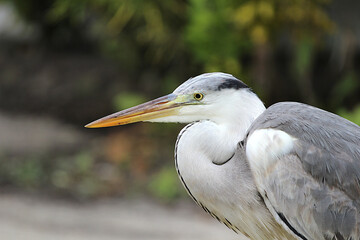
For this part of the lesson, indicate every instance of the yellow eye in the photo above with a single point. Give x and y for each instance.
(198, 96)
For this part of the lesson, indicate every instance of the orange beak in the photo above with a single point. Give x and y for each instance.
(160, 107)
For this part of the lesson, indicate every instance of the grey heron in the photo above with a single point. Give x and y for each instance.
(291, 171)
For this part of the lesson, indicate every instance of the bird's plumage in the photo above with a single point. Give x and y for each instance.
(315, 184)
(227, 190)
(291, 171)
(211, 82)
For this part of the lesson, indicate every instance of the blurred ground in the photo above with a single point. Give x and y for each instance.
(38, 218)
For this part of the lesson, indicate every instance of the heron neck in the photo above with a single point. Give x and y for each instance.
(230, 127)
(236, 119)
(216, 174)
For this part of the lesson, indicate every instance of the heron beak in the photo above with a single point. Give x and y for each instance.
(160, 107)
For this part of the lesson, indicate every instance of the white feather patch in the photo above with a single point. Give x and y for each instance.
(264, 147)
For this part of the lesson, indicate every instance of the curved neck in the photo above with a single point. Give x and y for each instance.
(218, 137)
(226, 189)
(235, 119)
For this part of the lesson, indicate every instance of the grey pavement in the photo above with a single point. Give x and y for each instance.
(39, 218)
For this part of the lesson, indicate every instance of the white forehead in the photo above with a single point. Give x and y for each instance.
(210, 82)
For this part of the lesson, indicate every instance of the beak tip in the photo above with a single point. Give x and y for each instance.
(100, 123)
(90, 125)
(141, 113)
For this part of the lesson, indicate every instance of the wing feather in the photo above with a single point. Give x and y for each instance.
(316, 184)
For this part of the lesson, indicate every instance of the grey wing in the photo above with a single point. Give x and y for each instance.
(306, 164)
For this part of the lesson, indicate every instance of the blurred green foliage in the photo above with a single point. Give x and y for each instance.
(74, 175)
(27, 175)
(127, 100)
(127, 30)
(353, 115)
(216, 33)
(348, 86)
(211, 37)
(165, 185)
(219, 32)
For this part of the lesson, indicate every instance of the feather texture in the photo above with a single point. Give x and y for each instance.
(314, 185)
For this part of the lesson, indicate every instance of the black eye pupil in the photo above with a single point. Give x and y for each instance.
(198, 96)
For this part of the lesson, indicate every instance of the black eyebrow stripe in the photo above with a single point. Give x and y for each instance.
(232, 84)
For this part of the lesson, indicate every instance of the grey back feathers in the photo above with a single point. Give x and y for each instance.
(211, 82)
(330, 148)
(315, 188)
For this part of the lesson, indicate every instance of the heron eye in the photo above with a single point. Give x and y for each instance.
(198, 96)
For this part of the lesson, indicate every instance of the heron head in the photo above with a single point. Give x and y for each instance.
(206, 97)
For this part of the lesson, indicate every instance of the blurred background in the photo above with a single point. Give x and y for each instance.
(65, 63)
